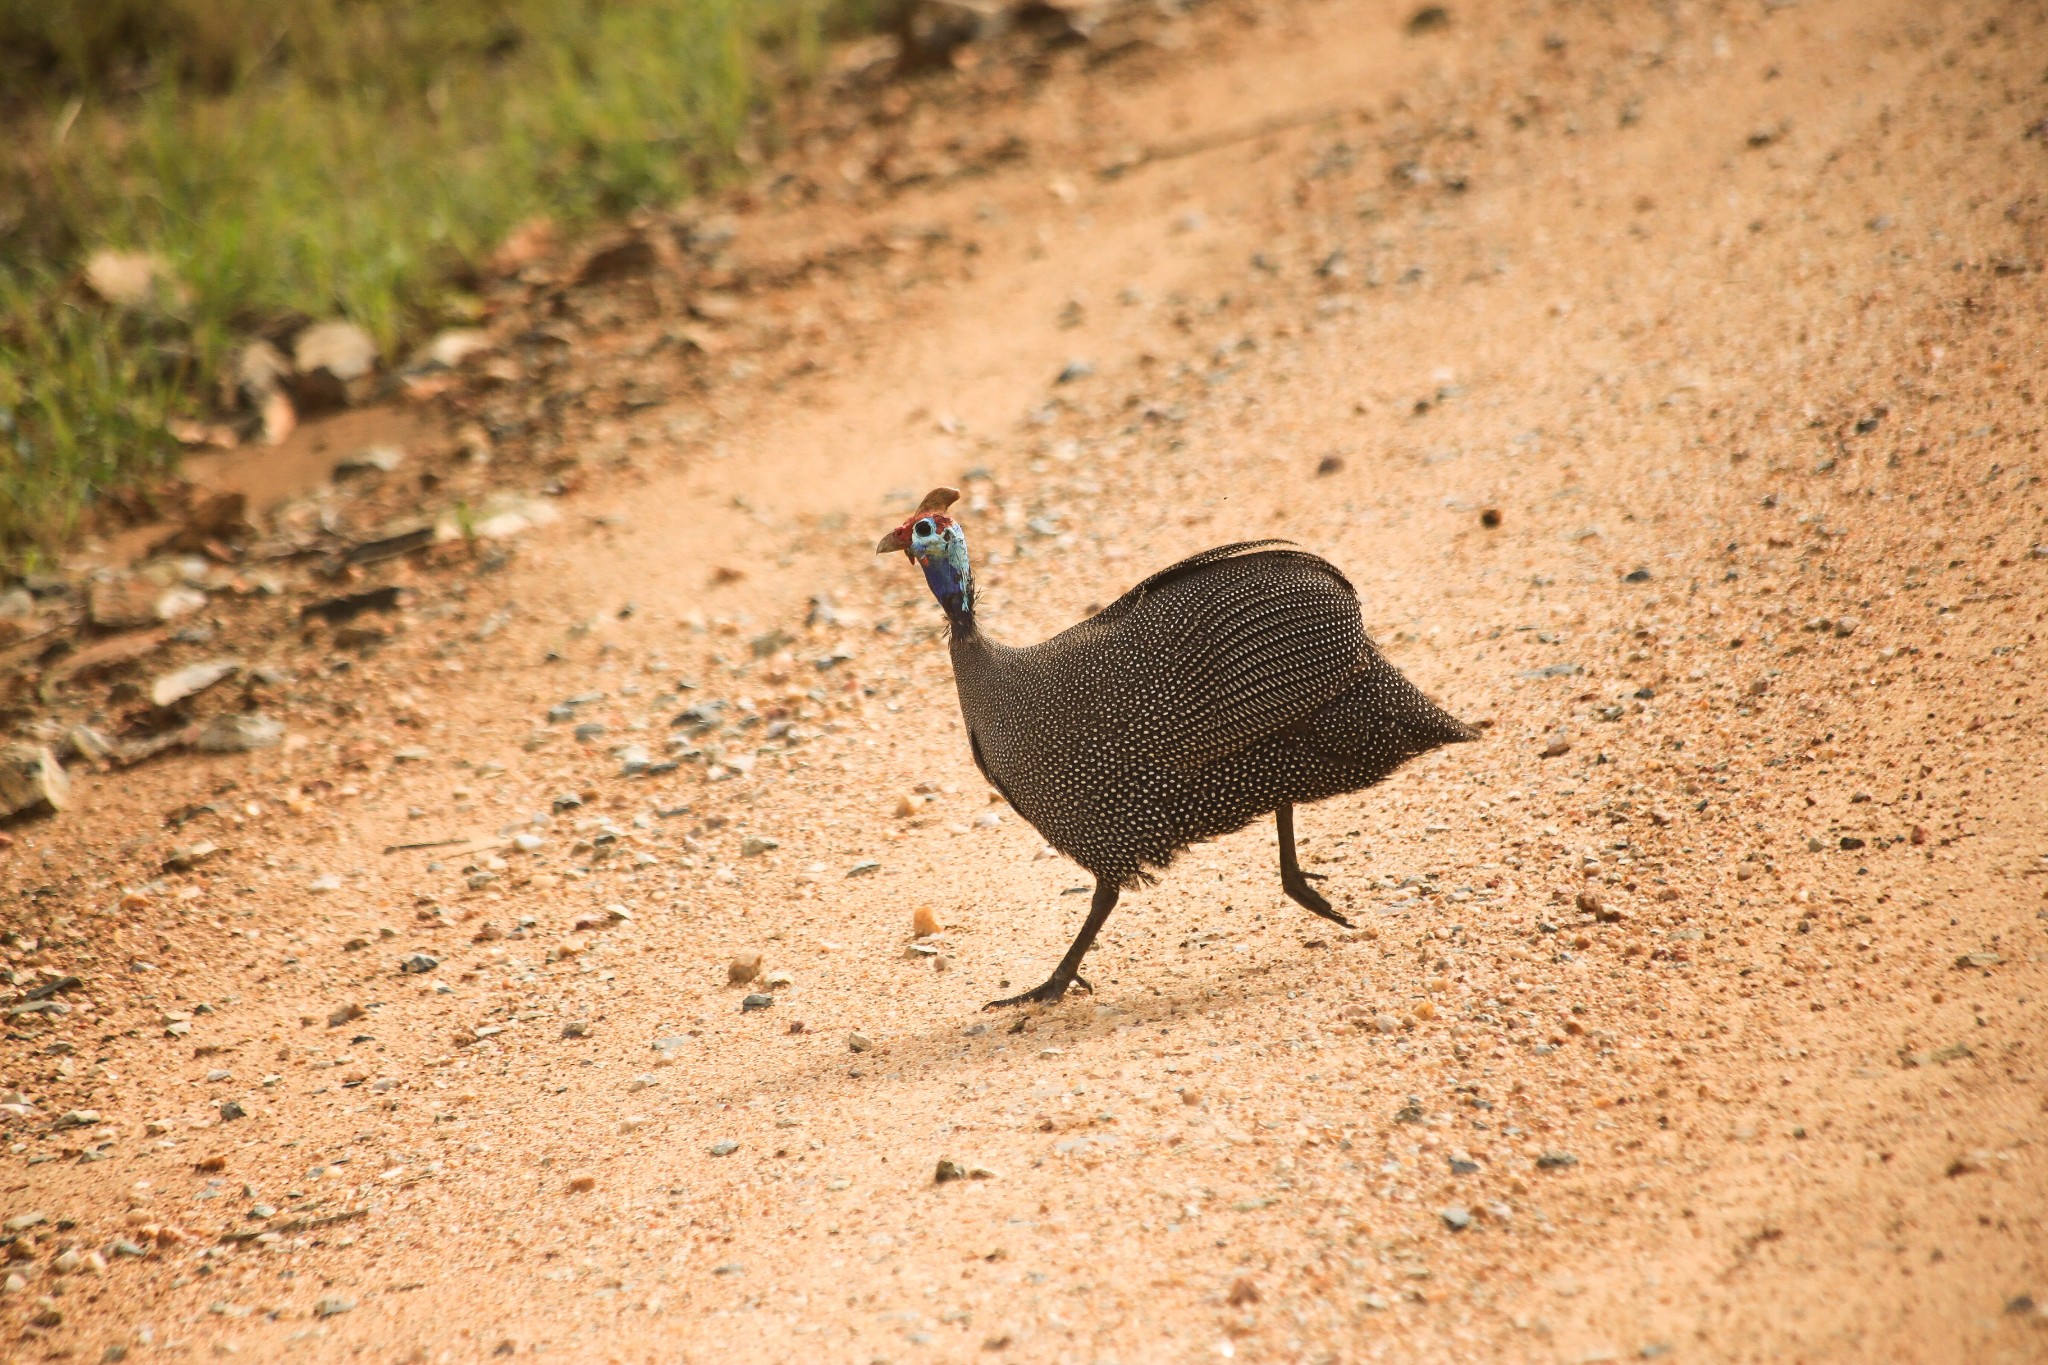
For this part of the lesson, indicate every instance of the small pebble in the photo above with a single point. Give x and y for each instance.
(858, 1042)
(742, 969)
(756, 1001)
(724, 1147)
(923, 923)
(582, 1184)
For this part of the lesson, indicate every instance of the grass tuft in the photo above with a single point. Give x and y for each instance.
(325, 158)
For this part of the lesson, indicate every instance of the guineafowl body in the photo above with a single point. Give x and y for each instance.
(1237, 682)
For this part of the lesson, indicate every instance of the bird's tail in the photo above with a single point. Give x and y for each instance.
(1382, 717)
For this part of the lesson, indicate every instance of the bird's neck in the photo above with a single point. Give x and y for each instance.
(951, 579)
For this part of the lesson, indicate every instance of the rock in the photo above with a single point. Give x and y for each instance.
(1555, 1160)
(346, 1014)
(582, 1184)
(451, 347)
(418, 964)
(1074, 371)
(1386, 1023)
(233, 733)
(1557, 746)
(121, 603)
(923, 923)
(1490, 518)
(342, 350)
(754, 845)
(948, 1170)
(260, 370)
(863, 868)
(1969, 961)
(189, 857)
(1457, 1217)
(776, 980)
(724, 1147)
(1429, 19)
(508, 514)
(908, 804)
(756, 1001)
(576, 1028)
(332, 1305)
(190, 681)
(231, 1110)
(31, 781)
(858, 1042)
(742, 969)
(178, 601)
(378, 459)
(132, 279)
(1244, 1292)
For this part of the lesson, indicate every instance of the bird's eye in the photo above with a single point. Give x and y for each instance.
(924, 528)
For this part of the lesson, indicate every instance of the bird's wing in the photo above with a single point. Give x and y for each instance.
(1232, 645)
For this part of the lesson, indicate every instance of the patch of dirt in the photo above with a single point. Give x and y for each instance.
(1667, 382)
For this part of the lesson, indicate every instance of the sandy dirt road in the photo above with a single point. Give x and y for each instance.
(1717, 1034)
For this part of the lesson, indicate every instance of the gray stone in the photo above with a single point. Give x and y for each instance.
(235, 734)
(342, 349)
(419, 963)
(31, 780)
(177, 685)
(756, 1001)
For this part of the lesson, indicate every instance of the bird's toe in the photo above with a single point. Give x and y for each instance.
(1048, 994)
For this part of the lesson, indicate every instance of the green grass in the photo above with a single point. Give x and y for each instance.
(327, 157)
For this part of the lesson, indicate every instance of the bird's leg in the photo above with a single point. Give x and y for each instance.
(1292, 879)
(1068, 973)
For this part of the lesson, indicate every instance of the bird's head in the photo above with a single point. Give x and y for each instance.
(937, 544)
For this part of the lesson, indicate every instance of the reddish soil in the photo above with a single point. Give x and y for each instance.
(1718, 1035)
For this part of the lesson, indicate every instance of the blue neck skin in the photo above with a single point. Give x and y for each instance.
(951, 578)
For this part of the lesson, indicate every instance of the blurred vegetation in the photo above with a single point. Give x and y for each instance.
(313, 159)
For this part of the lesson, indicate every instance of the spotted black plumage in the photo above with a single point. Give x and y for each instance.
(1238, 681)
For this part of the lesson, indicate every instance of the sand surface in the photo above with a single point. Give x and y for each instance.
(1717, 1035)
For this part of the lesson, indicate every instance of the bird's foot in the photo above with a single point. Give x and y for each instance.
(1048, 994)
(1312, 900)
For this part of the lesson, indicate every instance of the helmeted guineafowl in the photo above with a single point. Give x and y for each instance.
(1236, 682)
